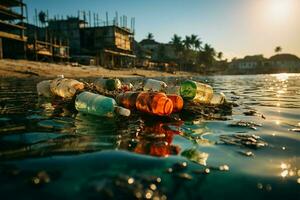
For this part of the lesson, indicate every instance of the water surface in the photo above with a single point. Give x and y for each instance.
(49, 151)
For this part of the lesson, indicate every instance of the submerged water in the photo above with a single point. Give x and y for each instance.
(48, 151)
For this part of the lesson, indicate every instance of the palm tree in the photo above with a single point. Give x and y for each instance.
(195, 41)
(187, 42)
(150, 36)
(278, 49)
(220, 55)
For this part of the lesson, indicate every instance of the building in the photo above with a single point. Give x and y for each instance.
(285, 62)
(12, 31)
(111, 45)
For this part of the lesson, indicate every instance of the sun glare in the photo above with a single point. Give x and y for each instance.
(279, 9)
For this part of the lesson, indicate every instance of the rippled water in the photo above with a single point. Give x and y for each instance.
(48, 151)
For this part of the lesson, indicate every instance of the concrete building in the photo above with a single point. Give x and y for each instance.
(12, 35)
(108, 44)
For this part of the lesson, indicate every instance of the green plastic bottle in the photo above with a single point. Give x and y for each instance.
(198, 92)
(95, 104)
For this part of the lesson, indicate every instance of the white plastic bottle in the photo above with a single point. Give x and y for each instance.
(154, 85)
(99, 105)
(64, 87)
(43, 88)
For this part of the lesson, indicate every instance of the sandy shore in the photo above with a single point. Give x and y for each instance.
(25, 68)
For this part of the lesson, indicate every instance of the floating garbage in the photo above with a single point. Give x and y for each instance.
(195, 156)
(251, 125)
(198, 92)
(250, 141)
(43, 88)
(103, 84)
(155, 99)
(154, 85)
(65, 88)
(99, 105)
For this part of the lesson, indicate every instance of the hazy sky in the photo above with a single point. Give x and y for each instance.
(235, 27)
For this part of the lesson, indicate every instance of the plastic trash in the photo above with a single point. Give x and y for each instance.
(103, 84)
(155, 103)
(99, 105)
(177, 102)
(198, 92)
(127, 99)
(64, 87)
(173, 90)
(43, 88)
(218, 98)
(154, 85)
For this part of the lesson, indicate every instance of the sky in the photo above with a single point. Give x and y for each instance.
(234, 27)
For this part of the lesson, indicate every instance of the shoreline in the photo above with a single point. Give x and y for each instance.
(11, 68)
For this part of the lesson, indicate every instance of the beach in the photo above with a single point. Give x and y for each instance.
(25, 68)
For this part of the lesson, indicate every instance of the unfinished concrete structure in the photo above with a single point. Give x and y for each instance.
(12, 31)
(108, 44)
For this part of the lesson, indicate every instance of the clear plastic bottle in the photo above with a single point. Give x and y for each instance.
(173, 90)
(99, 105)
(64, 87)
(218, 98)
(110, 84)
(155, 103)
(43, 88)
(154, 85)
(198, 92)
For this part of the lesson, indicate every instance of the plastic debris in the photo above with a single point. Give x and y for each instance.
(103, 84)
(65, 88)
(198, 92)
(154, 85)
(251, 125)
(43, 88)
(99, 105)
(250, 141)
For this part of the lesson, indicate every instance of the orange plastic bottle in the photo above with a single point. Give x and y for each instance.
(127, 99)
(177, 102)
(155, 103)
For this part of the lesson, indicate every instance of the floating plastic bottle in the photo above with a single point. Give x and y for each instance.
(64, 87)
(103, 84)
(177, 102)
(43, 88)
(154, 85)
(99, 105)
(173, 90)
(155, 103)
(198, 92)
(127, 99)
(218, 98)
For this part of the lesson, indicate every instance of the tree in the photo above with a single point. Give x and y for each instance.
(195, 42)
(150, 36)
(278, 49)
(187, 42)
(220, 55)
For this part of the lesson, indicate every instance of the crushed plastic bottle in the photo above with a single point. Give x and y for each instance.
(99, 105)
(198, 92)
(218, 98)
(155, 103)
(103, 84)
(64, 87)
(43, 88)
(154, 85)
(177, 102)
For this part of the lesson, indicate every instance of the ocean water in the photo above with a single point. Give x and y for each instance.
(48, 151)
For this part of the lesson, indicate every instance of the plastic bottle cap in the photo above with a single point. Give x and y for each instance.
(123, 111)
(60, 76)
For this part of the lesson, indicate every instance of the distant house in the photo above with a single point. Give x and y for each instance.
(285, 62)
(248, 63)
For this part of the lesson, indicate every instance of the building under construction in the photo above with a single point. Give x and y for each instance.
(12, 30)
(107, 44)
